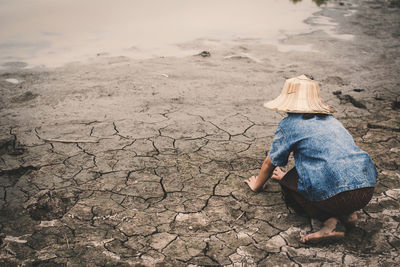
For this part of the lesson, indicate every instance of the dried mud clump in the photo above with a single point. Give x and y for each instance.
(11, 177)
(47, 205)
(396, 105)
(9, 146)
(349, 99)
(27, 96)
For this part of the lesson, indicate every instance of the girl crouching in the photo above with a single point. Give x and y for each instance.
(332, 177)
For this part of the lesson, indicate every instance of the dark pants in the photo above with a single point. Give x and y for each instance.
(340, 205)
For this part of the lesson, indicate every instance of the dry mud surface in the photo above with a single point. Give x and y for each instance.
(165, 144)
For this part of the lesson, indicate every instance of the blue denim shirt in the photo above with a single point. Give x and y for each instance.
(327, 159)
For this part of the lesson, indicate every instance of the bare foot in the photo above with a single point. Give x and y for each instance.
(351, 220)
(278, 174)
(327, 232)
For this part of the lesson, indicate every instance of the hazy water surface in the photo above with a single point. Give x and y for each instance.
(53, 32)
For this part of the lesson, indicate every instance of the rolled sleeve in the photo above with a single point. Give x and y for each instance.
(280, 149)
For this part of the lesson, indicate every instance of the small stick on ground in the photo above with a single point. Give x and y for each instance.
(70, 141)
(240, 216)
(66, 238)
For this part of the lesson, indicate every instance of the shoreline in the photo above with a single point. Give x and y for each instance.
(174, 139)
(139, 35)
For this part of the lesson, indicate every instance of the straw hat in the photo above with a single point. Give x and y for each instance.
(300, 95)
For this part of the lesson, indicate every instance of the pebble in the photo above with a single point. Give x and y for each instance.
(13, 81)
(337, 92)
(378, 97)
(16, 239)
(204, 54)
(395, 105)
(309, 76)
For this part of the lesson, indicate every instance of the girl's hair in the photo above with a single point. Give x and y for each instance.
(307, 116)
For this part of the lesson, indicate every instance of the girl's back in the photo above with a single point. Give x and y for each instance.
(327, 159)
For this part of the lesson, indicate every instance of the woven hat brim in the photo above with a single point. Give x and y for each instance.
(285, 104)
(300, 95)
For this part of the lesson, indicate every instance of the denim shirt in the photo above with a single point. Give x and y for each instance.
(327, 159)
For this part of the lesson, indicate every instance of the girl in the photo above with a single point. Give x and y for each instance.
(332, 177)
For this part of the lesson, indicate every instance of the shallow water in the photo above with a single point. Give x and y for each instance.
(51, 33)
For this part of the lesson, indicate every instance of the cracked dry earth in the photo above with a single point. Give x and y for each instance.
(163, 145)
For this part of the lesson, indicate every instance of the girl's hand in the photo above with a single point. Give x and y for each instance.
(251, 182)
(278, 174)
(257, 183)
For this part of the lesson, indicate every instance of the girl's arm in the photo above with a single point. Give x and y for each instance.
(256, 183)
